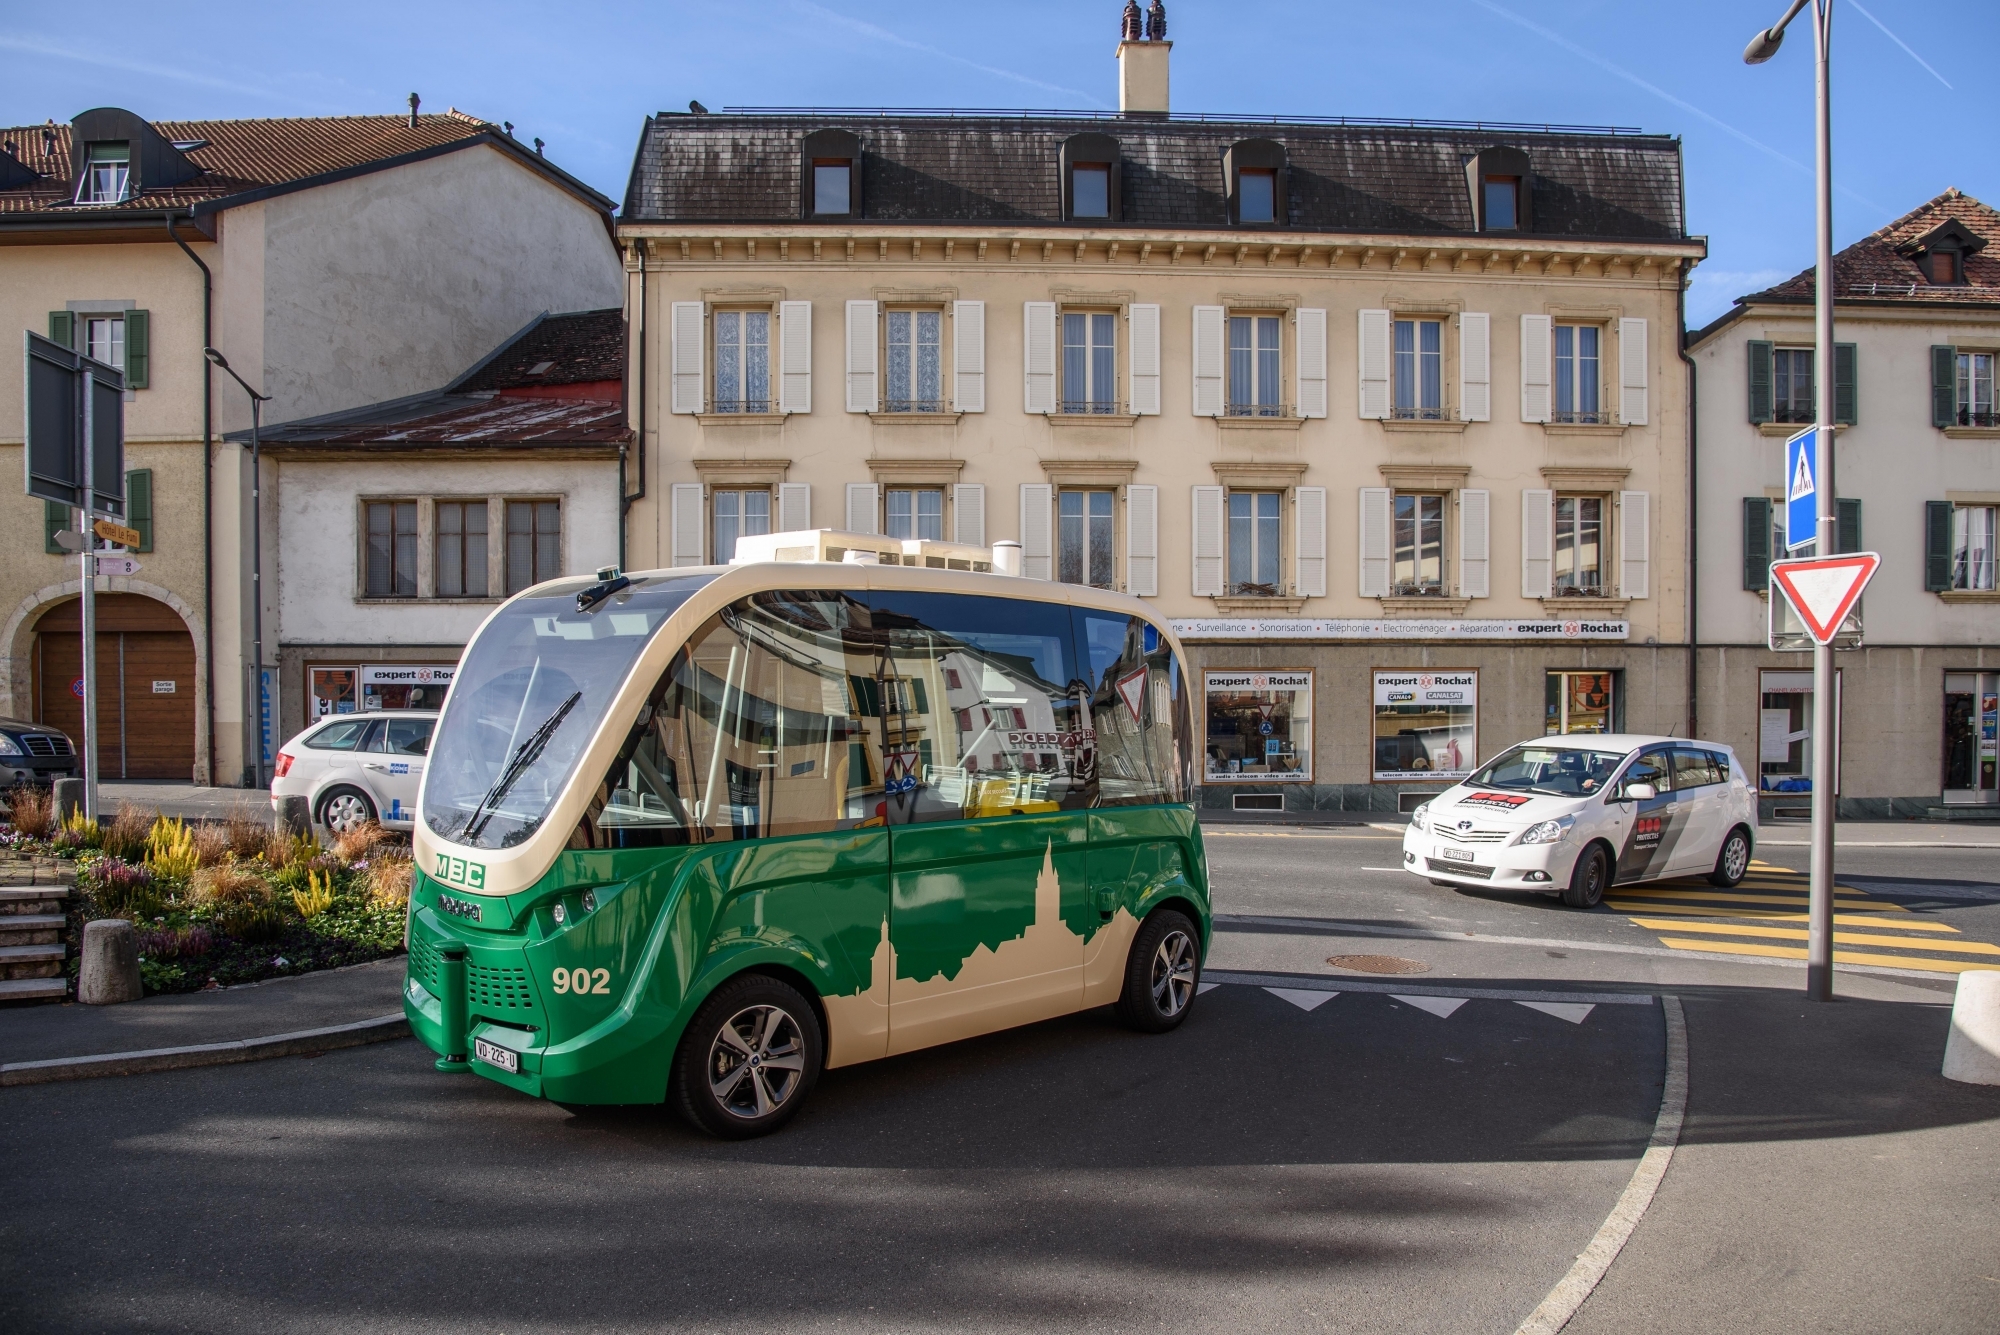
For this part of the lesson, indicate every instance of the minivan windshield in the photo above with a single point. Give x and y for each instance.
(533, 687)
(1560, 771)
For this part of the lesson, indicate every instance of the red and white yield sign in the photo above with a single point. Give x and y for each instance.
(1823, 590)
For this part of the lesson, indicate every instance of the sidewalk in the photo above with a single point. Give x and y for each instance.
(182, 799)
(256, 1010)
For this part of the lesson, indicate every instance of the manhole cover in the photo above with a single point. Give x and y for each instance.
(1378, 964)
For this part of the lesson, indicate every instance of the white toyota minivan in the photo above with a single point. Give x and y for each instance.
(1574, 815)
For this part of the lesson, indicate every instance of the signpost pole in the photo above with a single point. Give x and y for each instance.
(1819, 934)
(89, 568)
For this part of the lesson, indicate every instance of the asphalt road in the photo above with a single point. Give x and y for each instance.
(1389, 1158)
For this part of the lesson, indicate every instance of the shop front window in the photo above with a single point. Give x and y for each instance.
(1784, 731)
(1426, 725)
(1579, 702)
(1971, 720)
(1259, 727)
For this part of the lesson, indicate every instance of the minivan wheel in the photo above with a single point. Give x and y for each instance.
(1733, 860)
(748, 1059)
(343, 810)
(1162, 973)
(1586, 883)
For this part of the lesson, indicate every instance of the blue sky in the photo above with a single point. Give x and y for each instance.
(1907, 122)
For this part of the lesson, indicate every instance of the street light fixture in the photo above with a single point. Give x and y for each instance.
(257, 402)
(1819, 913)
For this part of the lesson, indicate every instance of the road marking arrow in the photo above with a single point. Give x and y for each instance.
(1823, 590)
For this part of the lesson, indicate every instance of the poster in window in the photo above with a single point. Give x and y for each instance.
(1426, 725)
(1258, 727)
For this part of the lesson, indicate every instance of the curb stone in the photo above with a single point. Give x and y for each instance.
(304, 1041)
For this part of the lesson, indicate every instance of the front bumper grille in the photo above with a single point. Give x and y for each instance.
(1472, 870)
(1471, 836)
(46, 745)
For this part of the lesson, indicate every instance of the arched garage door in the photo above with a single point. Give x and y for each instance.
(145, 684)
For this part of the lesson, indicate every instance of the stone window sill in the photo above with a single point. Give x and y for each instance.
(1609, 430)
(1972, 432)
(915, 419)
(1269, 606)
(1396, 606)
(1427, 427)
(1609, 609)
(1092, 419)
(1260, 423)
(1786, 430)
(741, 419)
(1969, 595)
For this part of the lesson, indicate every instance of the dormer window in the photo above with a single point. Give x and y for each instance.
(1941, 252)
(1498, 180)
(1254, 174)
(106, 174)
(830, 175)
(1090, 180)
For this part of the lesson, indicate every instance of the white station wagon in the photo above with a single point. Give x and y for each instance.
(1574, 815)
(354, 768)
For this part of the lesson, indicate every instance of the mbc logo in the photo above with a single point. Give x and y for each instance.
(458, 871)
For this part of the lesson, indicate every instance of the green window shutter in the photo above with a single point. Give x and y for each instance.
(1846, 381)
(138, 348)
(55, 518)
(1944, 384)
(62, 328)
(139, 505)
(1847, 525)
(1760, 381)
(1757, 543)
(1937, 545)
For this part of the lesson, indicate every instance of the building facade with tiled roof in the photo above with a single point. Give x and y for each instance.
(335, 262)
(1351, 402)
(1917, 474)
(504, 476)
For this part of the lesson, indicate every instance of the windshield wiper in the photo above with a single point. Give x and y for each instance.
(524, 755)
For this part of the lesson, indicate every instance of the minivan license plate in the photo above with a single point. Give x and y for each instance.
(1457, 854)
(494, 1055)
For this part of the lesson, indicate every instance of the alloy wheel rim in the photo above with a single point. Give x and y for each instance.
(345, 813)
(756, 1062)
(1736, 860)
(1174, 972)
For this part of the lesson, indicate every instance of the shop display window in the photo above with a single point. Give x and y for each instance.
(1580, 702)
(1426, 725)
(1259, 727)
(1784, 731)
(1971, 724)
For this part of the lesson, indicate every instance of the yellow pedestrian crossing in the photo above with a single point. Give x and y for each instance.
(1746, 920)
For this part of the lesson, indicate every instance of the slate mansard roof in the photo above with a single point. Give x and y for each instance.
(744, 168)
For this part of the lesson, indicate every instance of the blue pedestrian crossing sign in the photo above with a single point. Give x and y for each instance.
(1802, 489)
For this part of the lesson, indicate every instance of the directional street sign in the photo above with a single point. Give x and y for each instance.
(1823, 590)
(1802, 489)
(114, 532)
(117, 565)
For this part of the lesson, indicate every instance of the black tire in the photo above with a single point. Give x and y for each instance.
(748, 1027)
(340, 804)
(1162, 973)
(1587, 882)
(1734, 854)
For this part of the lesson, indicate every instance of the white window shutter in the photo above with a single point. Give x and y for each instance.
(1142, 541)
(687, 356)
(1145, 360)
(1635, 544)
(1538, 540)
(968, 356)
(861, 357)
(968, 514)
(689, 548)
(1312, 362)
(1374, 360)
(1632, 364)
(795, 356)
(794, 507)
(1475, 541)
(863, 505)
(1210, 360)
(1536, 356)
(1312, 540)
(1475, 367)
(1037, 530)
(1038, 358)
(1375, 531)
(1210, 533)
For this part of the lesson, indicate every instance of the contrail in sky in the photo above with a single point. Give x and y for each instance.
(1900, 42)
(866, 29)
(37, 47)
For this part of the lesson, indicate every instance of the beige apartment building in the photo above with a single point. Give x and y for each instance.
(1390, 420)
(1917, 474)
(336, 262)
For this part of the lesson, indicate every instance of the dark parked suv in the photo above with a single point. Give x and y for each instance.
(33, 753)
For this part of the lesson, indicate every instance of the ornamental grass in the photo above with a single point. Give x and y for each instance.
(171, 850)
(249, 830)
(389, 876)
(360, 843)
(231, 883)
(32, 811)
(125, 837)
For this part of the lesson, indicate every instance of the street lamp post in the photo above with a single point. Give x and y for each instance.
(257, 402)
(1819, 934)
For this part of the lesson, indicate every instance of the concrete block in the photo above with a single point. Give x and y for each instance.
(1972, 1052)
(68, 797)
(110, 966)
(295, 815)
